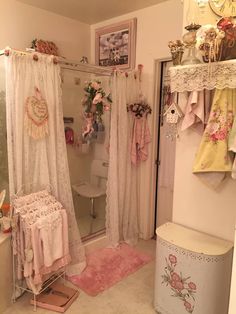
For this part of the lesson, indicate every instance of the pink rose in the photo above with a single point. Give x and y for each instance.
(172, 283)
(95, 85)
(175, 277)
(221, 135)
(187, 305)
(97, 98)
(106, 108)
(213, 137)
(172, 259)
(179, 285)
(192, 286)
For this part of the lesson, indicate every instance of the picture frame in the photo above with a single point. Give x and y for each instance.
(115, 45)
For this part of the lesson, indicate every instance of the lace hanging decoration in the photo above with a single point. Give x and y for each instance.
(36, 116)
(196, 77)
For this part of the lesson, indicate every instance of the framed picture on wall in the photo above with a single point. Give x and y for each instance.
(115, 45)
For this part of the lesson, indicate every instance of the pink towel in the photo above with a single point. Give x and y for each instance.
(194, 114)
(140, 138)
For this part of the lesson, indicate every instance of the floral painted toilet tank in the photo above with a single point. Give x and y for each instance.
(193, 272)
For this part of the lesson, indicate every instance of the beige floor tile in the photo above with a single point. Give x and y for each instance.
(133, 295)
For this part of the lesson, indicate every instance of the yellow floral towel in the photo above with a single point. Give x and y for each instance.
(213, 154)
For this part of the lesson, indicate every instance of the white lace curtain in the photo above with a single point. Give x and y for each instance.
(35, 164)
(122, 202)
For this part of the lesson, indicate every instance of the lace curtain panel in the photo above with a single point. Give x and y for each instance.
(122, 204)
(218, 75)
(36, 163)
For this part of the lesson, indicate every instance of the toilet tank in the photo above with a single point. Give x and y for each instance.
(193, 272)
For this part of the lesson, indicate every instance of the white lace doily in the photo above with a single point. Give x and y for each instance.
(218, 75)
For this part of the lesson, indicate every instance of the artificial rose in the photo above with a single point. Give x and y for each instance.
(187, 305)
(192, 285)
(106, 108)
(97, 98)
(95, 85)
(172, 259)
(175, 277)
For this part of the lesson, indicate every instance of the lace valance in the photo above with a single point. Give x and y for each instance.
(203, 76)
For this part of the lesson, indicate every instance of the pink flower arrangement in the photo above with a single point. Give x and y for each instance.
(183, 289)
(44, 46)
(95, 102)
(219, 125)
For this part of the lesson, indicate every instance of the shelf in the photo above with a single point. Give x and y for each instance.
(209, 76)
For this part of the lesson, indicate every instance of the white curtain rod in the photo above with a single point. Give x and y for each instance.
(72, 65)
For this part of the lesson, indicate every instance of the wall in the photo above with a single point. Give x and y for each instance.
(196, 205)
(21, 23)
(5, 272)
(156, 25)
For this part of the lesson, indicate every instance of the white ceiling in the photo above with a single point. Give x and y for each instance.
(91, 11)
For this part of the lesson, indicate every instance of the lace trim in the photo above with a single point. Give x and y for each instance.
(19, 201)
(62, 262)
(195, 256)
(218, 75)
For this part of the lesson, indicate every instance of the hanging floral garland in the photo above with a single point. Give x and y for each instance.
(95, 102)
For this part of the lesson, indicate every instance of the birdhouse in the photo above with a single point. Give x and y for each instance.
(173, 114)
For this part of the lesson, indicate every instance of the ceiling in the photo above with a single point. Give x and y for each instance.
(91, 11)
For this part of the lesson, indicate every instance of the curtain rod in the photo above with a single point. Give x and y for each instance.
(71, 64)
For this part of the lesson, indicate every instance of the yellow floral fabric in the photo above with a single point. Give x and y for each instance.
(213, 154)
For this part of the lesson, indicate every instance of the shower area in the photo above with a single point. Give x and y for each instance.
(87, 156)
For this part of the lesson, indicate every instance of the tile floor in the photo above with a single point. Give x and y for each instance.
(88, 225)
(133, 295)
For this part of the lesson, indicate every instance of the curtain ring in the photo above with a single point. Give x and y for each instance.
(140, 69)
(35, 57)
(55, 60)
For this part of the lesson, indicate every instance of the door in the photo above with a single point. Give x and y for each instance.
(166, 152)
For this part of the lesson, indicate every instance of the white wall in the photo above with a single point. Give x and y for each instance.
(156, 25)
(21, 23)
(196, 205)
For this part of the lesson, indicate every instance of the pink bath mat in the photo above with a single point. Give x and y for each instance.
(108, 266)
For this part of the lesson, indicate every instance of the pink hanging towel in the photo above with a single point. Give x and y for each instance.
(194, 113)
(140, 139)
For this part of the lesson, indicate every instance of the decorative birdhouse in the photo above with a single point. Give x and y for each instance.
(173, 114)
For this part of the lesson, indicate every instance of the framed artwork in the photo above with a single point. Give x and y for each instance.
(115, 45)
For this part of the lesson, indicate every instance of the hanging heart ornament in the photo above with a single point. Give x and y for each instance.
(36, 116)
(37, 110)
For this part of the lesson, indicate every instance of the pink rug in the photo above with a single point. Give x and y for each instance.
(108, 266)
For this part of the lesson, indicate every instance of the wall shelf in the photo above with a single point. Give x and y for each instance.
(209, 76)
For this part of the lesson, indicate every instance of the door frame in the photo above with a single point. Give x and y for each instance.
(155, 137)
